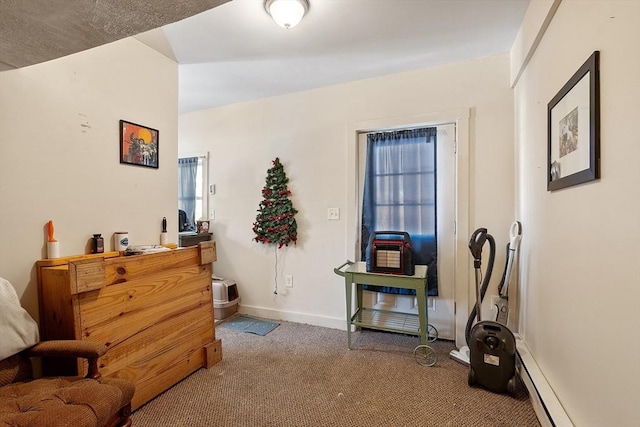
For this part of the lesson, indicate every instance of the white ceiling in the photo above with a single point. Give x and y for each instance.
(235, 52)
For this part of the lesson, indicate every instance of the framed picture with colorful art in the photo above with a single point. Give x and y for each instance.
(573, 133)
(139, 145)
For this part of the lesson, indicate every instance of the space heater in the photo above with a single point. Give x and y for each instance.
(390, 252)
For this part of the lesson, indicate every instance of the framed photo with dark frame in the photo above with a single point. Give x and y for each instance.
(573, 129)
(139, 145)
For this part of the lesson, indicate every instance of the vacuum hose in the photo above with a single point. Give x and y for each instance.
(476, 243)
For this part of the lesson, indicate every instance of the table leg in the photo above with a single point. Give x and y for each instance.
(359, 302)
(349, 291)
(421, 295)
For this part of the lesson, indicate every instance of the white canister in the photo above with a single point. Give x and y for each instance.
(120, 241)
(53, 250)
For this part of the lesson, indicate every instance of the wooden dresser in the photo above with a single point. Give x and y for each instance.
(154, 312)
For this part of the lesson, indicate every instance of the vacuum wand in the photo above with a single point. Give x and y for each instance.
(502, 305)
(478, 296)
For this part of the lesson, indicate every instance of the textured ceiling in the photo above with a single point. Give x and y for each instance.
(34, 31)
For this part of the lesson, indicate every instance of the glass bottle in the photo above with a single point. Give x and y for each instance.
(98, 244)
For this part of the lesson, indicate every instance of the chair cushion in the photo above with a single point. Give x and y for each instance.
(68, 401)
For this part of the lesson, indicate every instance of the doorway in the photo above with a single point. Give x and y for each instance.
(448, 312)
(441, 308)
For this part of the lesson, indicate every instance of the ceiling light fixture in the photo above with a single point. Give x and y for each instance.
(287, 13)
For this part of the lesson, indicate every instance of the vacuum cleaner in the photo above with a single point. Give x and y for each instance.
(490, 350)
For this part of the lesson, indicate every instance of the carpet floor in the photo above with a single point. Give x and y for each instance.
(302, 375)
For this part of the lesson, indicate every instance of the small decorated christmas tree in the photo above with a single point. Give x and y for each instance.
(275, 222)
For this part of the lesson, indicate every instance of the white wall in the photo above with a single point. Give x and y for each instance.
(309, 131)
(59, 155)
(581, 258)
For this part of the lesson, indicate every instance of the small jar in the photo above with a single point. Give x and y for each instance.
(97, 244)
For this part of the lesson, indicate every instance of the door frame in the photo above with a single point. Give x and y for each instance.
(461, 211)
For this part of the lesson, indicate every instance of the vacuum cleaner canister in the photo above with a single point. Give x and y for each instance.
(492, 349)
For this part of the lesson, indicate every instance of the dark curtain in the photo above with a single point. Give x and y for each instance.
(400, 195)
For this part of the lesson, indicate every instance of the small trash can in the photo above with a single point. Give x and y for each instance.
(225, 297)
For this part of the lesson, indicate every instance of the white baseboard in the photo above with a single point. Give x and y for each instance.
(548, 409)
(289, 316)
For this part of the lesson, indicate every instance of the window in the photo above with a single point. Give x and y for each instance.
(400, 191)
(192, 187)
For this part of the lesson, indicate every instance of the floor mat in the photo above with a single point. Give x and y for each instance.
(250, 325)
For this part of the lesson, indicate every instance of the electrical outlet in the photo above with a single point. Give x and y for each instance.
(288, 280)
(333, 213)
(212, 215)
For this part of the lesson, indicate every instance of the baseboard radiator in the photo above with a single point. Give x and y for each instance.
(548, 409)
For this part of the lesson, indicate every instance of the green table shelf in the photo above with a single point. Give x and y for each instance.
(355, 273)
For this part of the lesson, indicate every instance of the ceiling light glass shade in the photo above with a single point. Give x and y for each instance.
(287, 13)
